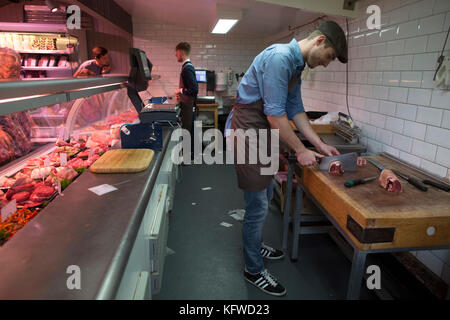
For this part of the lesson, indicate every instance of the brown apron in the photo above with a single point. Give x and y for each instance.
(251, 116)
(186, 111)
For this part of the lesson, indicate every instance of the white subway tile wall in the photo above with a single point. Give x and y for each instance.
(208, 51)
(391, 94)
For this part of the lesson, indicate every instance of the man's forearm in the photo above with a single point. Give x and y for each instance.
(286, 132)
(302, 123)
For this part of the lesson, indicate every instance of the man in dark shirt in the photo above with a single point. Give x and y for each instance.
(97, 66)
(188, 88)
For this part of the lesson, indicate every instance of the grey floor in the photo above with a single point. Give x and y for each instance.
(205, 260)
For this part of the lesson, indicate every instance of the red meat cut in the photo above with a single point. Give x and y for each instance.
(335, 168)
(21, 196)
(42, 193)
(389, 181)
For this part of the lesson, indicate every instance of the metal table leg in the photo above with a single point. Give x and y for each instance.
(287, 205)
(356, 275)
(297, 221)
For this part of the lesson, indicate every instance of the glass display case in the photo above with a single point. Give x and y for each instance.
(44, 55)
(44, 149)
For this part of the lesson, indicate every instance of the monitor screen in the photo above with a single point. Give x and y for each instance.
(141, 70)
(200, 75)
(145, 65)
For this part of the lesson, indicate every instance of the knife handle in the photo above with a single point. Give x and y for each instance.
(437, 185)
(352, 183)
(318, 160)
(417, 184)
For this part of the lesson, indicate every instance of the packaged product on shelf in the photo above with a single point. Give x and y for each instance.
(43, 61)
(52, 61)
(62, 63)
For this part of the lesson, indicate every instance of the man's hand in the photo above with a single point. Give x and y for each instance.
(85, 73)
(308, 157)
(177, 91)
(327, 150)
(106, 69)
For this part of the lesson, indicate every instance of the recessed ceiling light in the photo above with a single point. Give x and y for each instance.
(224, 25)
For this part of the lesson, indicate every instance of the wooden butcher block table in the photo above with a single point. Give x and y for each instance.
(372, 219)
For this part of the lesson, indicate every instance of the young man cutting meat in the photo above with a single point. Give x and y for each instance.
(268, 97)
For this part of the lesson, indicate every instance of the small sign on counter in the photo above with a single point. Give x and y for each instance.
(102, 189)
(9, 209)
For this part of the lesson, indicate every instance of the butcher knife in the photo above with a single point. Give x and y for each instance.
(348, 161)
(412, 181)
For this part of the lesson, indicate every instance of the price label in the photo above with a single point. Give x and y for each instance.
(102, 189)
(58, 187)
(91, 153)
(63, 159)
(47, 162)
(9, 209)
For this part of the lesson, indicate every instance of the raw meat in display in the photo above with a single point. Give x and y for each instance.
(6, 182)
(70, 151)
(100, 138)
(66, 173)
(29, 187)
(361, 162)
(335, 168)
(20, 142)
(76, 163)
(389, 181)
(61, 143)
(42, 193)
(90, 161)
(24, 120)
(6, 147)
(41, 173)
(21, 196)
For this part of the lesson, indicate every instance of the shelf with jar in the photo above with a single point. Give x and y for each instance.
(44, 55)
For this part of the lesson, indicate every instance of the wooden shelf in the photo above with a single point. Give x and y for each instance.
(46, 68)
(44, 51)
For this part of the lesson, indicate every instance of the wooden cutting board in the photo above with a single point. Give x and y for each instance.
(123, 161)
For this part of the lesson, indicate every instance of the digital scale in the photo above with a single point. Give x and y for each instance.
(147, 133)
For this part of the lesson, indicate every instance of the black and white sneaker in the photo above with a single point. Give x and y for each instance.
(266, 282)
(271, 253)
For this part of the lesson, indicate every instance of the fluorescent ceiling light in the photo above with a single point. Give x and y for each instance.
(224, 25)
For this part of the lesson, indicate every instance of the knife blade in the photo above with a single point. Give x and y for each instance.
(410, 180)
(376, 164)
(348, 161)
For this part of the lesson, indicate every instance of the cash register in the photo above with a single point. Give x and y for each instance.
(147, 133)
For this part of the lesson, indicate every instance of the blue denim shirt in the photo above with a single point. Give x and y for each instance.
(268, 79)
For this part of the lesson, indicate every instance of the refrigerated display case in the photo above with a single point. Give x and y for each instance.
(50, 219)
(47, 51)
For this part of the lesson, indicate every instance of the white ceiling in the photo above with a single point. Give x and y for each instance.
(259, 19)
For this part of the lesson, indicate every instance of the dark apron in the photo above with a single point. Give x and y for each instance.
(251, 116)
(187, 104)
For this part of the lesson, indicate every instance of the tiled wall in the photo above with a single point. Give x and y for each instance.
(212, 52)
(391, 93)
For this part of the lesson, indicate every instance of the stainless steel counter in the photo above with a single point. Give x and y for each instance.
(79, 228)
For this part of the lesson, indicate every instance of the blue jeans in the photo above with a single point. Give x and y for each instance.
(256, 208)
